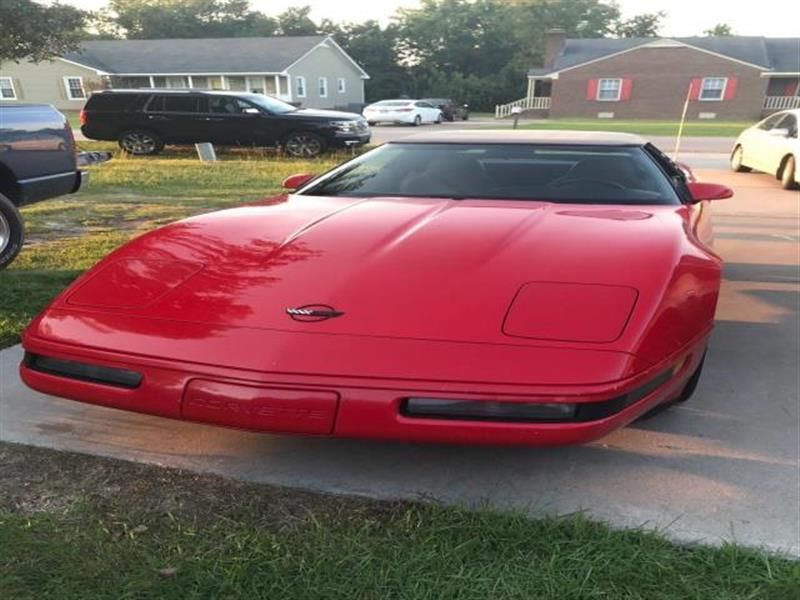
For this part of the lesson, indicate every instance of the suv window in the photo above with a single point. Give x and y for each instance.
(116, 101)
(177, 103)
(227, 105)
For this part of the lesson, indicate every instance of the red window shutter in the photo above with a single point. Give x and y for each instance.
(790, 88)
(591, 89)
(694, 88)
(730, 88)
(625, 92)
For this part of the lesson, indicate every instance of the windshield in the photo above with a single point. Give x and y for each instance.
(550, 173)
(273, 105)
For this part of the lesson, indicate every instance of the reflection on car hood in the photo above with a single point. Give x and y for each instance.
(431, 269)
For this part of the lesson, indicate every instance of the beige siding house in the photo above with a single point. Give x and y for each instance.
(311, 71)
(59, 82)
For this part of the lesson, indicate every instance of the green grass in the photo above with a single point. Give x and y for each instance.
(73, 116)
(126, 197)
(645, 127)
(94, 528)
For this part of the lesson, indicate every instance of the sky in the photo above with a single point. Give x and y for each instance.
(775, 18)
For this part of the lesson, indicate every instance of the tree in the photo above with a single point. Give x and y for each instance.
(296, 21)
(719, 30)
(37, 32)
(644, 25)
(372, 47)
(151, 19)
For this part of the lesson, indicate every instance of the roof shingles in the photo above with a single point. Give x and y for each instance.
(187, 56)
(771, 54)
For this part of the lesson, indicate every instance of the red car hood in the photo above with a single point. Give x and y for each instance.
(416, 268)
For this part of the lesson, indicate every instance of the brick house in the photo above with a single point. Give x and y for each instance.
(726, 78)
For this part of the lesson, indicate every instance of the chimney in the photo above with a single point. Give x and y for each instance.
(554, 41)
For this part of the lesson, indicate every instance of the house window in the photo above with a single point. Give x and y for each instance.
(713, 88)
(7, 91)
(300, 86)
(323, 87)
(74, 86)
(609, 89)
(341, 85)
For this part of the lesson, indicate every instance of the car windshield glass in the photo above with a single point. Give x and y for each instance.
(271, 104)
(551, 173)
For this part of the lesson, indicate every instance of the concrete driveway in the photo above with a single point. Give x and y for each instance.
(723, 467)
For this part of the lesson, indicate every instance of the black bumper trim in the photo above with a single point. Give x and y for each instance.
(83, 371)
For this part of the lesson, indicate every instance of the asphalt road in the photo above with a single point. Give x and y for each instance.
(726, 466)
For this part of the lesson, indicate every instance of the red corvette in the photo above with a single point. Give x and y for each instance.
(532, 288)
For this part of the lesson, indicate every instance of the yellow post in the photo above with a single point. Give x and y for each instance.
(680, 127)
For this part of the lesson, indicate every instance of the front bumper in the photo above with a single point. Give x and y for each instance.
(344, 140)
(341, 406)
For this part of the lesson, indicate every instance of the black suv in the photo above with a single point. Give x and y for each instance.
(143, 121)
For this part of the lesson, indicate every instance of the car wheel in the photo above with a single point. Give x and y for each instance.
(371, 123)
(303, 144)
(140, 143)
(787, 174)
(12, 232)
(438, 120)
(736, 161)
(465, 117)
(417, 121)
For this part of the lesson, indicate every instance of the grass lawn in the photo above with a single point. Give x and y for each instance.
(126, 197)
(75, 526)
(73, 118)
(642, 127)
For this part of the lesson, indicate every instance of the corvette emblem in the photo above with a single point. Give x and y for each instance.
(311, 313)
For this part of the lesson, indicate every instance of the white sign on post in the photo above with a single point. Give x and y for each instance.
(205, 152)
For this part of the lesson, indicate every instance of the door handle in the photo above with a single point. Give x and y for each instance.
(157, 117)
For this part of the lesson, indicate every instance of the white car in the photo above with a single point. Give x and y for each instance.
(413, 112)
(771, 146)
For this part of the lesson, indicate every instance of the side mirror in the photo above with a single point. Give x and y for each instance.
(296, 181)
(687, 172)
(780, 132)
(709, 191)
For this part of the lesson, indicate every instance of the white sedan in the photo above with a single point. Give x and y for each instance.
(771, 146)
(412, 112)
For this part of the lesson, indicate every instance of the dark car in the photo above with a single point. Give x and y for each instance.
(143, 121)
(37, 161)
(450, 109)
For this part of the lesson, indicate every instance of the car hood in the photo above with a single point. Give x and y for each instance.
(322, 115)
(461, 270)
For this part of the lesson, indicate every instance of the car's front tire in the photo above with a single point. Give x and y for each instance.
(417, 121)
(736, 161)
(787, 174)
(303, 144)
(140, 142)
(12, 232)
(686, 393)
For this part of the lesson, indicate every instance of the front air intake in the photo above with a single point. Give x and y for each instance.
(82, 371)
